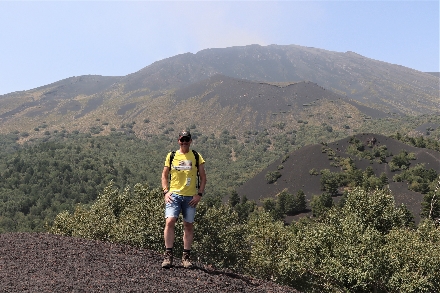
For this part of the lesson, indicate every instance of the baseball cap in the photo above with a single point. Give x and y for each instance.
(185, 133)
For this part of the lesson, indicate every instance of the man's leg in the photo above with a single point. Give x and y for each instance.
(168, 234)
(188, 235)
(189, 213)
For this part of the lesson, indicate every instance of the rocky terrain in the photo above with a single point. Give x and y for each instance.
(40, 262)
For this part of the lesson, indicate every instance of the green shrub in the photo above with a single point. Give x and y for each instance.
(413, 257)
(272, 176)
(273, 207)
(313, 171)
(269, 242)
(129, 217)
(220, 238)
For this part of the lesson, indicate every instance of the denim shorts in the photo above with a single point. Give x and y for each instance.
(179, 204)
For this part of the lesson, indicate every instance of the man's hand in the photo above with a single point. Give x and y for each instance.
(195, 200)
(168, 198)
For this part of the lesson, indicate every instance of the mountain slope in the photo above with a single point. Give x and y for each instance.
(295, 172)
(77, 103)
(264, 97)
(244, 104)
(48, 96)
(215, 104)
(374, 83)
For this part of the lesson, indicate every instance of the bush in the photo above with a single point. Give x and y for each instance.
(401, 161)
(129, 217)
(361, 248)
(413, 259)
(269, 242)
(272, 176)
(220, 238)
(272, 207)
(244, 209)
(313, 171)
(330, 181)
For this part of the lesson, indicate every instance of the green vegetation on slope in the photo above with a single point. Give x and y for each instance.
(366, 245)
(43, 177)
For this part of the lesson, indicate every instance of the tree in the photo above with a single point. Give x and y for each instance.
(244, 209)
(299, 203)
(284, 201)
(431, 203)
(406, 216)
(400, 161)
(269, 242)
(320, 204)
(330, 182)
(234, 199)
(383, 178)
(413, 259)
(271, 206)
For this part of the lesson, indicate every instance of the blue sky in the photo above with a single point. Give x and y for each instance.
(46, 41)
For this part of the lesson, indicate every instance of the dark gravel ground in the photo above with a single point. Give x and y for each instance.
(41, 262)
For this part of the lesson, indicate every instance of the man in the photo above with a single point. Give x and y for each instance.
(182, 195)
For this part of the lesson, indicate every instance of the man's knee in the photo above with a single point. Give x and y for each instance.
(170, 222)
(188, 226)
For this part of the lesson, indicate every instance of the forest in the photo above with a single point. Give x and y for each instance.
(44, 177)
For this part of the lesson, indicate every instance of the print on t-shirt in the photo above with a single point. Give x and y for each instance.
(184, 165)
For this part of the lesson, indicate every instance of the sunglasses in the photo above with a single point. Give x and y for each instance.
(185, 139)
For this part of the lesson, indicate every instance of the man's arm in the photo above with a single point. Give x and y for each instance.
(166, 191)
(202, 175)
(165, 173)
(196, 197)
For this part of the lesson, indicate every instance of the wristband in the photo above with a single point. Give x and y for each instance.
(165, 191)
(200, 194)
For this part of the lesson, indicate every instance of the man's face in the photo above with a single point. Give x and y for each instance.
(185, 140)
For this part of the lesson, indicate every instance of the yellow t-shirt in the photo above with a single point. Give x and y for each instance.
(183, 173)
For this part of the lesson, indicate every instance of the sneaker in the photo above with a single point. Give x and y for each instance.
(186, 261)
(168, 260)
